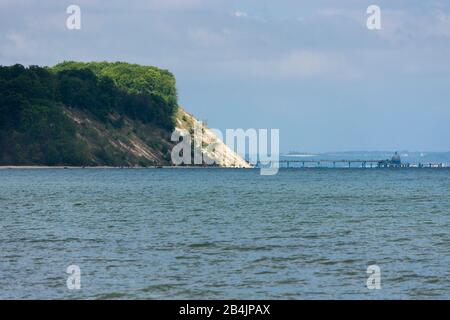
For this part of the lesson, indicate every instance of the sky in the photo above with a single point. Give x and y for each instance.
(311, 69)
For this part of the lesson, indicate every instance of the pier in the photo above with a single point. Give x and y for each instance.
(394, 162)
(352, 164)
(334, 163)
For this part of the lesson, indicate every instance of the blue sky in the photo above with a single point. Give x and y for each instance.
(309, 68)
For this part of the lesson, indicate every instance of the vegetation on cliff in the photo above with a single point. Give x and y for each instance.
(65, 115)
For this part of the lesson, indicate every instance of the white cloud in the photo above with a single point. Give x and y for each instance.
(240, 14)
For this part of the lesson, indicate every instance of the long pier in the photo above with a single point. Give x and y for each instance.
(352, 164)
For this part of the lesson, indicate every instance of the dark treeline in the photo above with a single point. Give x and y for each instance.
(33, 126)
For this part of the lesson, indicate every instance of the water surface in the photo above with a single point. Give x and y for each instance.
(225, 233)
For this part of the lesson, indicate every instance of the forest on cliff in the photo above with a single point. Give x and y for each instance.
(41, 108)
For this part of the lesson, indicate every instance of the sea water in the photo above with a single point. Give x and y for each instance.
(225, 233)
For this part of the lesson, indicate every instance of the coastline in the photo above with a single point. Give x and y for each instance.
(191, 167)
(111, 167)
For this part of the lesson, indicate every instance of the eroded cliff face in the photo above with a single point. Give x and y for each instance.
(126, 142)
(211, 145)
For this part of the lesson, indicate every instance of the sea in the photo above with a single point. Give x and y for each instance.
(211, 233)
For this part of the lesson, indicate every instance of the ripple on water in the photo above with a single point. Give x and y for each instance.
(230, 234)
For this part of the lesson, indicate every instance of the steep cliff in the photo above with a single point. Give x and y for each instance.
(94, 114)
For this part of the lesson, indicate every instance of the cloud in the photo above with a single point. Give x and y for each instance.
(240, 14)
(231, 40)
(297, 64)
(307, 63)
(206, 38)
(161, 5)
(17, 41)
(178, 4)
(399, 26)
(442, 25)
(17, 47)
